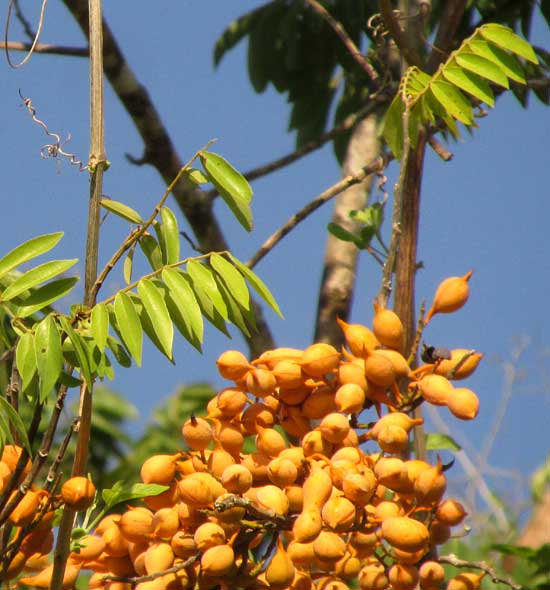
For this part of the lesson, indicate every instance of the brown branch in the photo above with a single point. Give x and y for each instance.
(440, 149)
(344, 37)
(149, 578)
(410, 54)
(453, 560)
(346, 125)
(312, 206)
(160, 152)
(45, 48)
(449, 22)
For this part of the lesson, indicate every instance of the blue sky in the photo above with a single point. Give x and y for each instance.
(487, 209)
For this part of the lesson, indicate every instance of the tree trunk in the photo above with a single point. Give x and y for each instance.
(338, 279)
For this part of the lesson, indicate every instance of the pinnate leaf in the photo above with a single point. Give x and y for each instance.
(129, 325)
(35, 276)
(28, 250)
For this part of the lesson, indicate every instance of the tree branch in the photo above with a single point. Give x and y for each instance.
(453, 560)
(45, 48)
(410, 54)
(312, 206)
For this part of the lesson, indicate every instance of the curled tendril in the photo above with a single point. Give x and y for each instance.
(35, 40)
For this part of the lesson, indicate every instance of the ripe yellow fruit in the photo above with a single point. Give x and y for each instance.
(430, 485)
(466, 581)
(450, 295)
(269, 441)
(307, 526)
(232, 365)
(379, 369)
(358, 338)
(44, 578)
(230, 402)
(270, 497)
(405, 533)
(282, 472)
(301, 553)
(209, 534)
(319, 359)
(431, 574)
(359, 487)
(338, 513)
(387, 327)
(450, 512)
(466, 368)
(334, 427)
(218, 560)
(435, 389)
(159, 469)
(26, 510)
(463, 403)
(373, 577)
(260, 382)
(158, 557)
(317, 488)
(197, 433)
(199, 490)
(288, 374)
(329, 546)
(78, 493)
(165, 523)
(393, 439)
(280, 571)
(349, 398)
(403, 576)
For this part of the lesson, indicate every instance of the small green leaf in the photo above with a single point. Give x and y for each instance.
(508, 63)
(156, 309)
(453, 101)
(207, 308)
(197, 176)
(507, 39)
(234, 311)
(128, 266)
(45, 295)
(119, 352)
(232, 278)
(49, 356)
(436, 441)
(129, 325)
(118, 493)
(470, 82)
(35, 276)
(232, 186)
(482, 67)
(203, 278)
(122, 210)
(152, 251)
(181, 294)
(170, 237)
(100, 324)
(258, 285)
(392, 126)
(28, 250)
(15, 420)
(80, 349)
(342, 234)
(25, 359)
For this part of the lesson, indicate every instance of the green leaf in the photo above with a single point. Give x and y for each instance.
(506, 62)
(258, 285)
(119, 352)
(156, 309)
(508, 549)
(236, 30)
(203, 278)
(207, 308)
(49, 356)
(128, 266)
(342, 234)
(170, 237)
(15, 420)
(392, 126)
(482, 67)
(181, 294)
(25, 359)
(232, 278)
(28, 250)
(45, 295)
(35, 276)
(197, 176)
(80, 348)
(507, 39)
(129, 325)
(151, 249)
(118, 493)
(453, 101)
(232, 186)
(471, 83)
(122, 210)
(234, 311)
(100, 324)
(436, 441)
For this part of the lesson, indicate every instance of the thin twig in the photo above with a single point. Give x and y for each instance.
(312, 206)
(31, 34)
(149, 578)
(440, 149)
(344, 37)
(45, 48)
(36, 37)
(346, 125)
(453, 560)
(398, 35)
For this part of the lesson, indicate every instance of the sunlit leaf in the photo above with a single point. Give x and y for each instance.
(129, 325)
(151, 249)
(122, 210)
(100, 324)
(128, 266)
(156, 309)
(258, 285)
(508, 63)
(25, 359)
(28, 250)
(392, 126)
(16, 422)
(197, 176)
(482, 67)
(119, 352)
(203, 278)
(471, 83)
(436, 441)
(232, 278)
(49, 356)
(35, 276)
(232, 186)
(46, 295)
(181, 294)
(453, 101)
(120, 493)
(507, 39)
(170, 237)
(80, 349)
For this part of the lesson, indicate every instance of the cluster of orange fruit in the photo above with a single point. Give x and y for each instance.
(321, 512)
